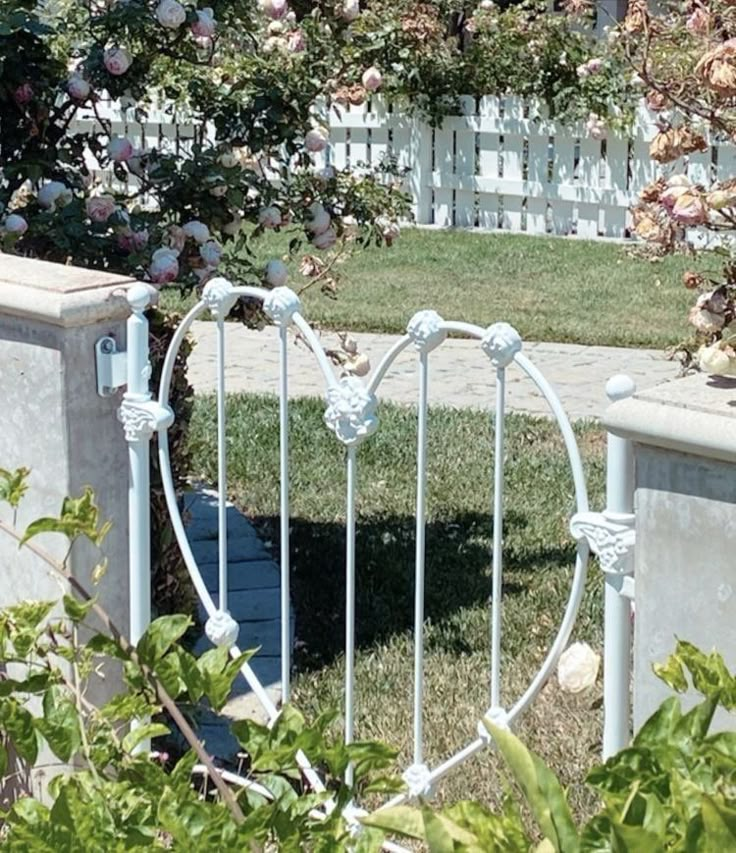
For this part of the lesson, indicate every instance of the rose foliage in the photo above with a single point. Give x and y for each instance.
(684, 56)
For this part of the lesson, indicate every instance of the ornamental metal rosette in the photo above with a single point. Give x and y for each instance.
(222, 630)
(501, 342)
(351, 411)
(426, 331)
(219, 297)
(281, 304)
(611, 537)
(142, 418)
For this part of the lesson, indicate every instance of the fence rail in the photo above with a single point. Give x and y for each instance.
(502, 164)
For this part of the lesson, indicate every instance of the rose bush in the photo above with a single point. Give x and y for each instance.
(684, 59)
(256, 79)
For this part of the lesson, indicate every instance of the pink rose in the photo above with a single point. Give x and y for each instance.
(15, 224)
(350, 10)
(119, 149)
(689, 209)
(117, 60)
(78, 88)
(197, 231)
(204, 26)
(140, 239)
(275, 9)
(699, 22)
(23, 94)
(325, 240)
(319, 221)
(315, 140)
(100, 208)
(170, 14)
(296, 43)
(269, 217)
(595, 126)
(277, 273)
(372, 79)
(164, 266)
(211, 253)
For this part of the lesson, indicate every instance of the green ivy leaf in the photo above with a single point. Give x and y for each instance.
(77, 610)
(60, 723)
(719, 821)
(140, 733)
(17, 723)
(160, 636)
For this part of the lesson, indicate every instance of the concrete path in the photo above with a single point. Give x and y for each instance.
(254, 587)
(460, 374)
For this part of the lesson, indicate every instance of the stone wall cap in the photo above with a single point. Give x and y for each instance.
(695, 414)
(59, 294)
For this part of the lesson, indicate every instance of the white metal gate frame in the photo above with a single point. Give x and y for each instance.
(351, 415)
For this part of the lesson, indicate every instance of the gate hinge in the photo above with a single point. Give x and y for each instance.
(111, 366)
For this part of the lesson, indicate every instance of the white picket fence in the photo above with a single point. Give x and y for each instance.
(501, 165)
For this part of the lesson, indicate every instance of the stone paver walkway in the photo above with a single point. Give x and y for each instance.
(254, 589)
(460, 374)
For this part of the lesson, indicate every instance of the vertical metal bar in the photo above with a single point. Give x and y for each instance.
(350, 604)
(139, 493)
(221, 464)
(420, 557)
(497, 567)
(617, 618)
(284, 461)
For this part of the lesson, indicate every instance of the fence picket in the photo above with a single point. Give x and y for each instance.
(488, 163)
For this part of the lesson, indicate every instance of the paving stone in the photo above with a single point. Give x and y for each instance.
(253, 574)
(239, 550)
(460, 374)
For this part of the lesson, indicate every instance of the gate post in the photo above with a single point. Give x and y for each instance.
(617, 620)
(141, 417)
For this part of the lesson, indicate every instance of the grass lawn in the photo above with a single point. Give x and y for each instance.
(551, 289)
(565, 729)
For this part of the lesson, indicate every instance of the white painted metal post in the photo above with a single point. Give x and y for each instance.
(497, 569)
(284, 511)
(617, 643)
(139, 497)
(350, 605)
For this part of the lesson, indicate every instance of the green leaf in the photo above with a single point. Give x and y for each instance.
(719, 822)
(78, 517)
(437, 832)
(398, 820)
(140, 733)
(658, 729)
(543, 792)
(17, 723)
(13, 485)
(77, 610)
(60, 723)
(160, 636)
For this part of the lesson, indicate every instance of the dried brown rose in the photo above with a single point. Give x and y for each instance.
(718, 68)
(692, 280)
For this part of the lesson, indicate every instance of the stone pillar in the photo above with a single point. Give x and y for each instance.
(53, 422)
(684, 435)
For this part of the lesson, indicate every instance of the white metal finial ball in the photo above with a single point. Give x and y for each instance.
(351, 411)
(221, 629)
(418, 779)
(620, 387)
(425, 330)
(139, 297)
(501, 342)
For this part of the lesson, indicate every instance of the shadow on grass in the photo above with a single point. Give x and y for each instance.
(457, 576)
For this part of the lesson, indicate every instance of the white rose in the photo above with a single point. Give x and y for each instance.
(170, 14)
(325, 240)
(205, 25)
(715, 361)
(15, 224)
(320, 219)
(117, 60)
(78, 88)
(211, 253)
(228, 159)
(350, 10)
(578, 667)
(372, 79)
(100, 208)
(54, 194)
(269, 217)
(277, 273)
(197, 230)
(315, 140)
(119, 149)
(164, 266)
